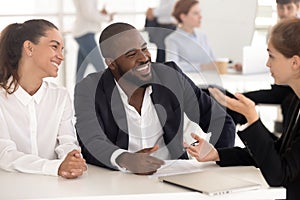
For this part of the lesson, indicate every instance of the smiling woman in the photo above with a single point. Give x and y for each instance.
(33, 48)
(35, 113)
(277, 159)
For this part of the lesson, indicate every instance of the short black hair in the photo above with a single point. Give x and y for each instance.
(106, 44)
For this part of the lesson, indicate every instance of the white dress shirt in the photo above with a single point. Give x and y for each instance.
(163, 12)
(36, 132)
(88, 17)
(145, 129)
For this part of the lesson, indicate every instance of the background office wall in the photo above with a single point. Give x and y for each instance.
(229, 29)
(228, 23)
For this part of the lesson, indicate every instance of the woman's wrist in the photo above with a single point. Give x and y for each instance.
(216, 156)
(252, 118)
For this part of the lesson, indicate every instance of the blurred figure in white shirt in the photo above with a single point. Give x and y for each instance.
(161, 23)
(88, 22)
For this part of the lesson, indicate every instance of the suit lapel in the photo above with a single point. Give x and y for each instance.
(118, 111)
(293, 125)
(170, 115)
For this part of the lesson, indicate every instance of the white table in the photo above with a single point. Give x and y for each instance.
(100, 183)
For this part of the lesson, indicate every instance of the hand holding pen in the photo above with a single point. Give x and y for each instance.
(202, 150)
(195, 143)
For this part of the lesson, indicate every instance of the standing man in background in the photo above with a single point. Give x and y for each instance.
(161, 24)
(286, 9)
(87, 23)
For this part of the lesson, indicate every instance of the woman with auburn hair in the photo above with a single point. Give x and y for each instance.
(279, 161)
(187, 46)
(36, 131)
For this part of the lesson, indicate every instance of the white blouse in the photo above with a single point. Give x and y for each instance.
(164, 10)
(36, 132)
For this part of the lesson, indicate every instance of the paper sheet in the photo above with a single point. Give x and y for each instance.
(172, 167)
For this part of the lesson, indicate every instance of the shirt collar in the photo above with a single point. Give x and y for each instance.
(123, 94)
(191, 35)
(26, 98)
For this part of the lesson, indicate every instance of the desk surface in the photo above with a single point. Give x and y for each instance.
(100, 183)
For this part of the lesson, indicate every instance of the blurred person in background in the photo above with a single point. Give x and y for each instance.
(187, 46)
(87, 23)
(159, 24)
(285, 9)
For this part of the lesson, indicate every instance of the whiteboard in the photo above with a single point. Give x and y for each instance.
(229, 25)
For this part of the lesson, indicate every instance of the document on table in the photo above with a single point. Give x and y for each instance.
(172, 167)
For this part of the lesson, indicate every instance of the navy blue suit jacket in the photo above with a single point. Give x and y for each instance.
(102, 124)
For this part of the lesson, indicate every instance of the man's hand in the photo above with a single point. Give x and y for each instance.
(141, 162)
(73, 165)
(149, 150)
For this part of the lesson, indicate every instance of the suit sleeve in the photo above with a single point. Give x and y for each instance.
(96, 147)
(235, 156)
(278, 94)
(210, 116)
(275, 95)
(277, 169)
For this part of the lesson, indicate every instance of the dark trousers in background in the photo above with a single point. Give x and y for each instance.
(88, 53)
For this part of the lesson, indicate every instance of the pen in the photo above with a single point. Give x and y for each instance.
(195, 143)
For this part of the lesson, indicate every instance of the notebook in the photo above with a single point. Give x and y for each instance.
(255, 59)
(210, 182)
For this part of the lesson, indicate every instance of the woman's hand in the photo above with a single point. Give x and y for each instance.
(238, 67)
(241, 104)
(203, 151)
(73, 165)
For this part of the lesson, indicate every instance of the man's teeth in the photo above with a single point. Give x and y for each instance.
(55, 64)
(142, 68)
